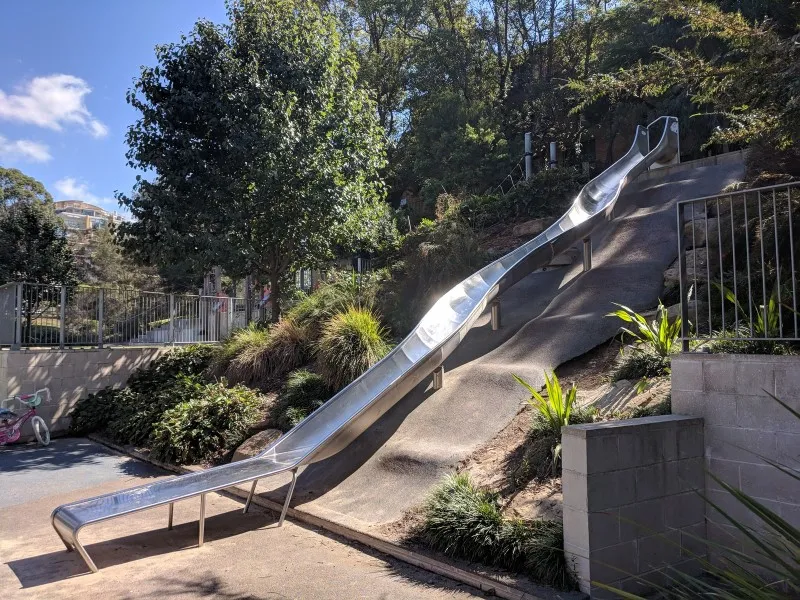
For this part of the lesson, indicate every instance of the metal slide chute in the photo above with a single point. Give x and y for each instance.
(351, 411)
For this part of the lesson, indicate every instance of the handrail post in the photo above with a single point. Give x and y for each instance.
(62, 326)
(18, 315)
(587, 254)
(495, 309)
(101, 295)
(682, 279)
(172, 318)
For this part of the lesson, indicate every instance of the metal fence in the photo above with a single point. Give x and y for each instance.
(737, 263)
(66, 316)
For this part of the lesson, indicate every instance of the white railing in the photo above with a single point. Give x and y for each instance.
(43, 315)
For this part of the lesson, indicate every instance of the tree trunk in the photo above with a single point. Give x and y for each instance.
(275, 295)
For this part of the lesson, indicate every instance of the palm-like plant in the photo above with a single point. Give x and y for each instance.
(766, 318)
(659, 335)
(553, 411)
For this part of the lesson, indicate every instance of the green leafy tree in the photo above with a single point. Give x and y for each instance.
(746, 72)
(33, 245)
(15, 186)
(261, 140)
(101, 260)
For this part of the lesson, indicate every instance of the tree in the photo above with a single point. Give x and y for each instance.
(16, 186)
(745, 72)
(33, 246)
(100, 260)
(261, 142)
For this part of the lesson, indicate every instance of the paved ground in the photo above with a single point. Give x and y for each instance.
(548, 318)
(244, 557)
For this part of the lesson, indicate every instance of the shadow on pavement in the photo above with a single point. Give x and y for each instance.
(64, 453)
(56, 566)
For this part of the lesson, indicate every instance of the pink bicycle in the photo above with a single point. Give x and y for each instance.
(11, 423)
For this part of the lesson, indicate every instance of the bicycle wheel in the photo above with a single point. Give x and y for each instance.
(40, 430)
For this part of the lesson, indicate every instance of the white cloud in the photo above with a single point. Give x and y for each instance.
(52, 102)
(23, 150)
(70, 188)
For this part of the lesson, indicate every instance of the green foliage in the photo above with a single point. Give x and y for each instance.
(32, 245)
(351, 342)
(263, 358)
(658, 336)
(766, 317)
(342, 292)
(721, 344)
(542, 455)
(464, 521)
(653, 410)
(254, 335)
(15, 187)
(483, 211)
(100, 260)
(266, 115)
(767, 568)
(127, 415)
(217, 419)
(640, 364)
(303, 393)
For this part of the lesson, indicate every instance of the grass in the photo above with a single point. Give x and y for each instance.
(464, 521)
(303, 393)
(637, 364)
(351, 342)
(263, 358)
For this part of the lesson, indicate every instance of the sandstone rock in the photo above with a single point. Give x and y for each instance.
(255, 444)
(699, 238)
(699, 255)
(528, 228)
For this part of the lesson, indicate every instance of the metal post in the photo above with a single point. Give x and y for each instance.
(248, 300)
(587, 254)
(101, 295)
(172, 318)
(438, 378)
(288, 498)
(202, 519)
(528, 157)
(18, 325)
(682, 277)
(495, 307)
(171, 514)
(553, 157)
(250, 497)
(62, 327)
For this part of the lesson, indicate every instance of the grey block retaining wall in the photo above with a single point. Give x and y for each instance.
(743, 424)
(70, 375)
(630, 500)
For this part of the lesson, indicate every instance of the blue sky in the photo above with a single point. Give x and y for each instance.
(65, 69)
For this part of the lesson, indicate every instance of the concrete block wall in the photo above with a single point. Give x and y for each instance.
(743, 424)
(70, 375)
(630, 500)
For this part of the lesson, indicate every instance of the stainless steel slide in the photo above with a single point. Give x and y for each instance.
(345, 416)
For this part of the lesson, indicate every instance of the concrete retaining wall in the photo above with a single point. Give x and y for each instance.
(741, 423)
(630, 505)
(70, 375)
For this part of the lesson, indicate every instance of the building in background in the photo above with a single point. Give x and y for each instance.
(84, 217)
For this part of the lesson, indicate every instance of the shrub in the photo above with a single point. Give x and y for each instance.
(267, 358)
(127, 415)
(189, 360)
(549, 193)
(94, 412)
(138, 413)
(330, 299)
(351, 343)
(640, 364)
(541, 455)
(303, 393)
(483, 211)
(659, 336)
(253, 335)
(654, 410)
(464, 521)
(200, 428)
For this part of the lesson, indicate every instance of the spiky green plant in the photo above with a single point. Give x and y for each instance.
(552, 412)
(659, 335)
(265, 358)
(766, 318)
(351, 342)
(251, 336)
(465, 521)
